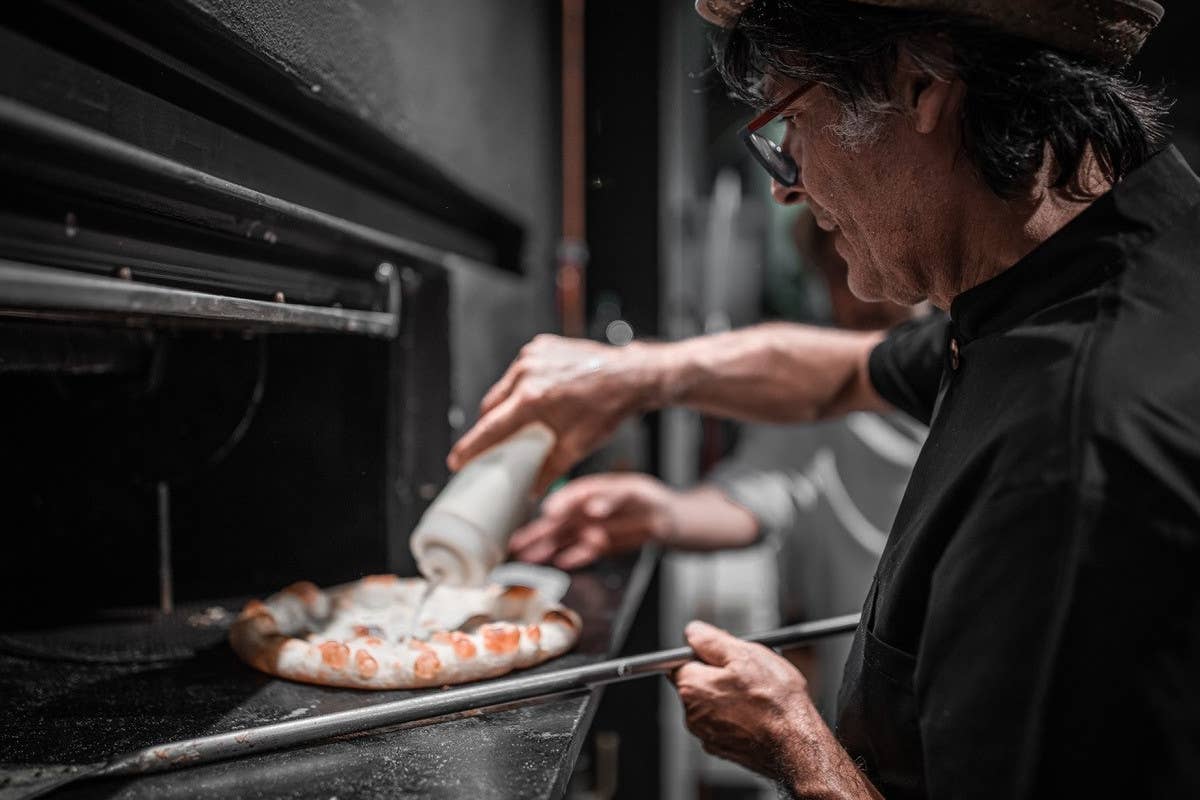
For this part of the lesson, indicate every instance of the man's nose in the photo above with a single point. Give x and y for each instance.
(787, 195)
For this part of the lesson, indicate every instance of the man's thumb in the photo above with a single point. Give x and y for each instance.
(712, 645)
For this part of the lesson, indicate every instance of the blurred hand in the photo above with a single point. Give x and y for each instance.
(581, 389)
(596, 516)
(743, 701)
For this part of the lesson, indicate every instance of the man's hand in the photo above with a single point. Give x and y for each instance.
(749, 705)
(597, 516)
(581, 389)
(743, 702)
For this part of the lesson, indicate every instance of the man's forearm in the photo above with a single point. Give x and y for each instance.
(582, 389)
(815, 765)
(776, 372)
(704, 518)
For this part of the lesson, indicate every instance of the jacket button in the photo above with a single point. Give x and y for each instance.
(954, 359)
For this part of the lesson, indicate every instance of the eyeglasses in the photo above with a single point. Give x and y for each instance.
(778, 164)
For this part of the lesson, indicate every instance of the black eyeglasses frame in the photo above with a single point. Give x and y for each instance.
(778, 164)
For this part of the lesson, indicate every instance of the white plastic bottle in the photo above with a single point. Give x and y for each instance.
(464, 532)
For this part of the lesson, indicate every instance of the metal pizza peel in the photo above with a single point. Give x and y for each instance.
(30, 781)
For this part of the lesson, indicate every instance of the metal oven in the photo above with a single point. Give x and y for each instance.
(225, 365)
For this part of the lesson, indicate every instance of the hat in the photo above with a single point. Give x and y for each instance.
(1111, 31)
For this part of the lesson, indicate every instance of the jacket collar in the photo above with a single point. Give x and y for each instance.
(1085, 252)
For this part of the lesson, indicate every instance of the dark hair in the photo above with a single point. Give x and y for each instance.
(1021, 95)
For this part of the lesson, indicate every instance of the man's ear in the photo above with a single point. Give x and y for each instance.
(927, 99)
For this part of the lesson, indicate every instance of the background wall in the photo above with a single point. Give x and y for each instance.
(1162, 63)
(473, 87)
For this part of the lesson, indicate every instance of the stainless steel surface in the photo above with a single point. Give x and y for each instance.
(32, 290)
(258, 739)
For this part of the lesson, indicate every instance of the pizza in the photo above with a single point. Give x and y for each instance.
(369, 635)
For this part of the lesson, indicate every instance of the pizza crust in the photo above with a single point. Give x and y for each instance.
(356, 635)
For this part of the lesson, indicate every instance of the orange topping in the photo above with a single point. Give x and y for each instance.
(501, 637)
(255, 607)
(417, 644)
(463, 646)
(371, 631)
(380, 579)
(373, 641)
(367, 666)
(534, 633)
(518, 593)
(335, 654)
(307, 591)
(427, 665)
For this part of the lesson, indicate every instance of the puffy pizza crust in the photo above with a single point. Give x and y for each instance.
(357, 635)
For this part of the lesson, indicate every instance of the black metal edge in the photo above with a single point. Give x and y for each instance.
(59, 162)
(571, 754)
(58, 294)
(34, 124)
(639, 579)
(172, 50)
(635, 591)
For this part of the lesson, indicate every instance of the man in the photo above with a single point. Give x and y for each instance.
(992, 157)
(824, 496)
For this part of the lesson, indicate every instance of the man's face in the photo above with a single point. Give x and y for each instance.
(880, 199)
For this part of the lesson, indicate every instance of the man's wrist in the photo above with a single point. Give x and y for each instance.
(660, 370)
(670, 530)
(797, 742)
(812, 762)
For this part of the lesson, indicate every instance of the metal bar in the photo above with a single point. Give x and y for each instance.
(248, 741)
(25, 287)
(36, 124)
(166, 583)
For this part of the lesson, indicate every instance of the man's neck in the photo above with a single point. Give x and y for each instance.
(994, 233)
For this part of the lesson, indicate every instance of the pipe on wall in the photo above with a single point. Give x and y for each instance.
(573, 250)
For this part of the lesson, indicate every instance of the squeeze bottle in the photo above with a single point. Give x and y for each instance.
(464, 532)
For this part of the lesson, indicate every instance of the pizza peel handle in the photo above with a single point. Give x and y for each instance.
(431, 705)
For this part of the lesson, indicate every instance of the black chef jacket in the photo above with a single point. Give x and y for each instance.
(1034, 626)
